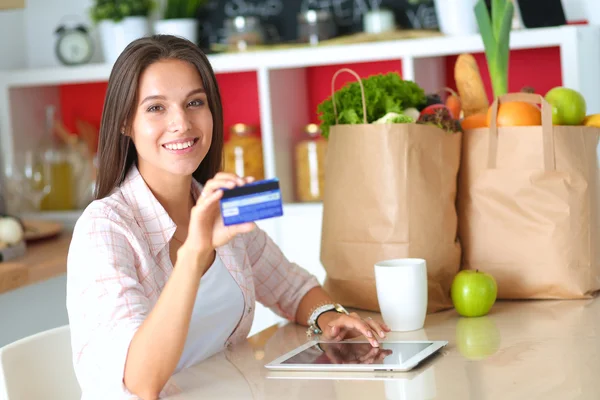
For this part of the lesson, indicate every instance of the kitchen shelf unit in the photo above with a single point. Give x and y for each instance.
(283, 103)
(282, 82)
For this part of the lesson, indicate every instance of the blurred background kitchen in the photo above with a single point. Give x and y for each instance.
(274, 61)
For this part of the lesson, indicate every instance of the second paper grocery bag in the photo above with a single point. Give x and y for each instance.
(529, 206)
(390, 193)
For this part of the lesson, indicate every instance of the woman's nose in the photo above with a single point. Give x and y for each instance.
(179, 121)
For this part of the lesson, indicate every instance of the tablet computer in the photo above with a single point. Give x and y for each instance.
(357, 356)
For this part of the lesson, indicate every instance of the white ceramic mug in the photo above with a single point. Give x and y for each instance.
(402, 292)
(456, 17)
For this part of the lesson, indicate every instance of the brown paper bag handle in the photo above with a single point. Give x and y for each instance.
(547, 127)
(362, 92)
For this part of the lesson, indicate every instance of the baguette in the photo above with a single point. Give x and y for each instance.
(470, 85)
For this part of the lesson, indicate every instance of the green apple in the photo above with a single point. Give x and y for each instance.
(477, 338)
(568, 106)
(473, 293)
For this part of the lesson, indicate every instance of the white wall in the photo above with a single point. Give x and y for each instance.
(12, 30)
(32, 38)
(42, 17)
(575, 9)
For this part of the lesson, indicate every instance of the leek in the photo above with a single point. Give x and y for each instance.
(495, 33)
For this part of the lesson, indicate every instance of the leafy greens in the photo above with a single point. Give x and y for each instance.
(384, 93)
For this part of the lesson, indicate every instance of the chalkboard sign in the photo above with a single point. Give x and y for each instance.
(279, 17)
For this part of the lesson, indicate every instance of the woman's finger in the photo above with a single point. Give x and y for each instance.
(229, 176)
(333, 333)
(354, 323)
(208, 200)
(338, 333)
(216, 184)
(339, 337)
(376, 327)
(224, 181)
(330, 332)
(207, 208)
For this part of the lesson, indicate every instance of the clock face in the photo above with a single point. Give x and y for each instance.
(74, 47)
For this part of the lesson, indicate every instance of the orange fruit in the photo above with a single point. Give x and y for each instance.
(474, 121)
(516, 113)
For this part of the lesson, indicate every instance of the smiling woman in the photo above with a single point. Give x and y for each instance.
(157, 78)
(172, 126)
(155, 281)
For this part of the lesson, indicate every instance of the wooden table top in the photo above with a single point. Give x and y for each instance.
(521, 350)
(43, 260)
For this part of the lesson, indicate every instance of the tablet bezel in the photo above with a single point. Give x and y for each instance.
(435, 346)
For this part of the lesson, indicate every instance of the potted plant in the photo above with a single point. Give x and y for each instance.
(120, 22)
(180, 19)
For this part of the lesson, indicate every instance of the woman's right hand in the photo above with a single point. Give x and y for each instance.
(206, 231)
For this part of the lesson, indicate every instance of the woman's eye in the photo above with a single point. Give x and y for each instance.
(196, 103)
(155, 108)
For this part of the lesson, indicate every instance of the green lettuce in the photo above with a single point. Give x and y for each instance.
(384, 93)
(395, 118)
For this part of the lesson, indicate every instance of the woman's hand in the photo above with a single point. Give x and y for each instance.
(206, 230)
(336, 327)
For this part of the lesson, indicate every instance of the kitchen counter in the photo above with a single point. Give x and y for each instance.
(44, 259)
(521, 350)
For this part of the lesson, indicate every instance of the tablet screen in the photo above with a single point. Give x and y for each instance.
(357, 353)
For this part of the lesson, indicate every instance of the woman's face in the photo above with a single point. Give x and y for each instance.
(172, 125)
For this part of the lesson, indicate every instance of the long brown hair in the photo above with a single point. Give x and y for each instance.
(116, 152)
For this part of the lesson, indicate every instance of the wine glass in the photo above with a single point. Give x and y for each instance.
(28, 181)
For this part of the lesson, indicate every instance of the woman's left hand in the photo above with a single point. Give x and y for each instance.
(336, 327)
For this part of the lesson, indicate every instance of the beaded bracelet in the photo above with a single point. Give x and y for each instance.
(313, 327)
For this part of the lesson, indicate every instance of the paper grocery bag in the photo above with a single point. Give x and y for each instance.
(529, 206)
(390, 193)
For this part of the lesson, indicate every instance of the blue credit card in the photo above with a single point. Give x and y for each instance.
(251, 202)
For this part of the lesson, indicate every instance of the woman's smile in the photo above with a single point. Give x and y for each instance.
(181, 146)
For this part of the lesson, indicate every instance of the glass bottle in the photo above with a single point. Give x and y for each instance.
(310, 165)
(243, 152)
(62, 165)
(243, 31)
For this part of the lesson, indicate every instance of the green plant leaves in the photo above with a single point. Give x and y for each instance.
(116, 10)
(182, 8)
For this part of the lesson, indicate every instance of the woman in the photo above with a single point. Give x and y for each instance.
(156, 282)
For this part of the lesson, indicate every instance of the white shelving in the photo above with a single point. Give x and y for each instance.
(283, 103)
(324, 55)
(24, 93)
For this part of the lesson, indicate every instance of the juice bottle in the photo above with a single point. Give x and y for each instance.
(310, 165)
(243, 153)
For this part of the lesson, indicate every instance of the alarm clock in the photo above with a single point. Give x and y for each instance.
(74, 45)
